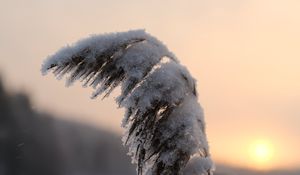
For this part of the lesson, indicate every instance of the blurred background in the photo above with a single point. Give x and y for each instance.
(243, 53)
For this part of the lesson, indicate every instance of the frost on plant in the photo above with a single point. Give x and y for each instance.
(165, 129)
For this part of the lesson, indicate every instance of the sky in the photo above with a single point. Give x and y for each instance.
(243, 53)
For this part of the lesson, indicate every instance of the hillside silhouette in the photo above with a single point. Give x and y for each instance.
(33, 143)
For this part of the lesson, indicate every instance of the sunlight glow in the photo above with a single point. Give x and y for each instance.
(261, 152)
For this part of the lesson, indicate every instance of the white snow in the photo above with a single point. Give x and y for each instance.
(164, 122)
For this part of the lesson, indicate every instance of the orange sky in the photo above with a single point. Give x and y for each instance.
(244, 54)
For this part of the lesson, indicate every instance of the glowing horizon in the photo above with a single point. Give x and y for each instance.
(244, 55)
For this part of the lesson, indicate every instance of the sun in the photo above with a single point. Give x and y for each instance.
(261, 153)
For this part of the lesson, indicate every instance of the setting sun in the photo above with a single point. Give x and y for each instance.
(261, 153)
(242, 55)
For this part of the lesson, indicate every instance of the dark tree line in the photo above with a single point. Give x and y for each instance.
(32, 143)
